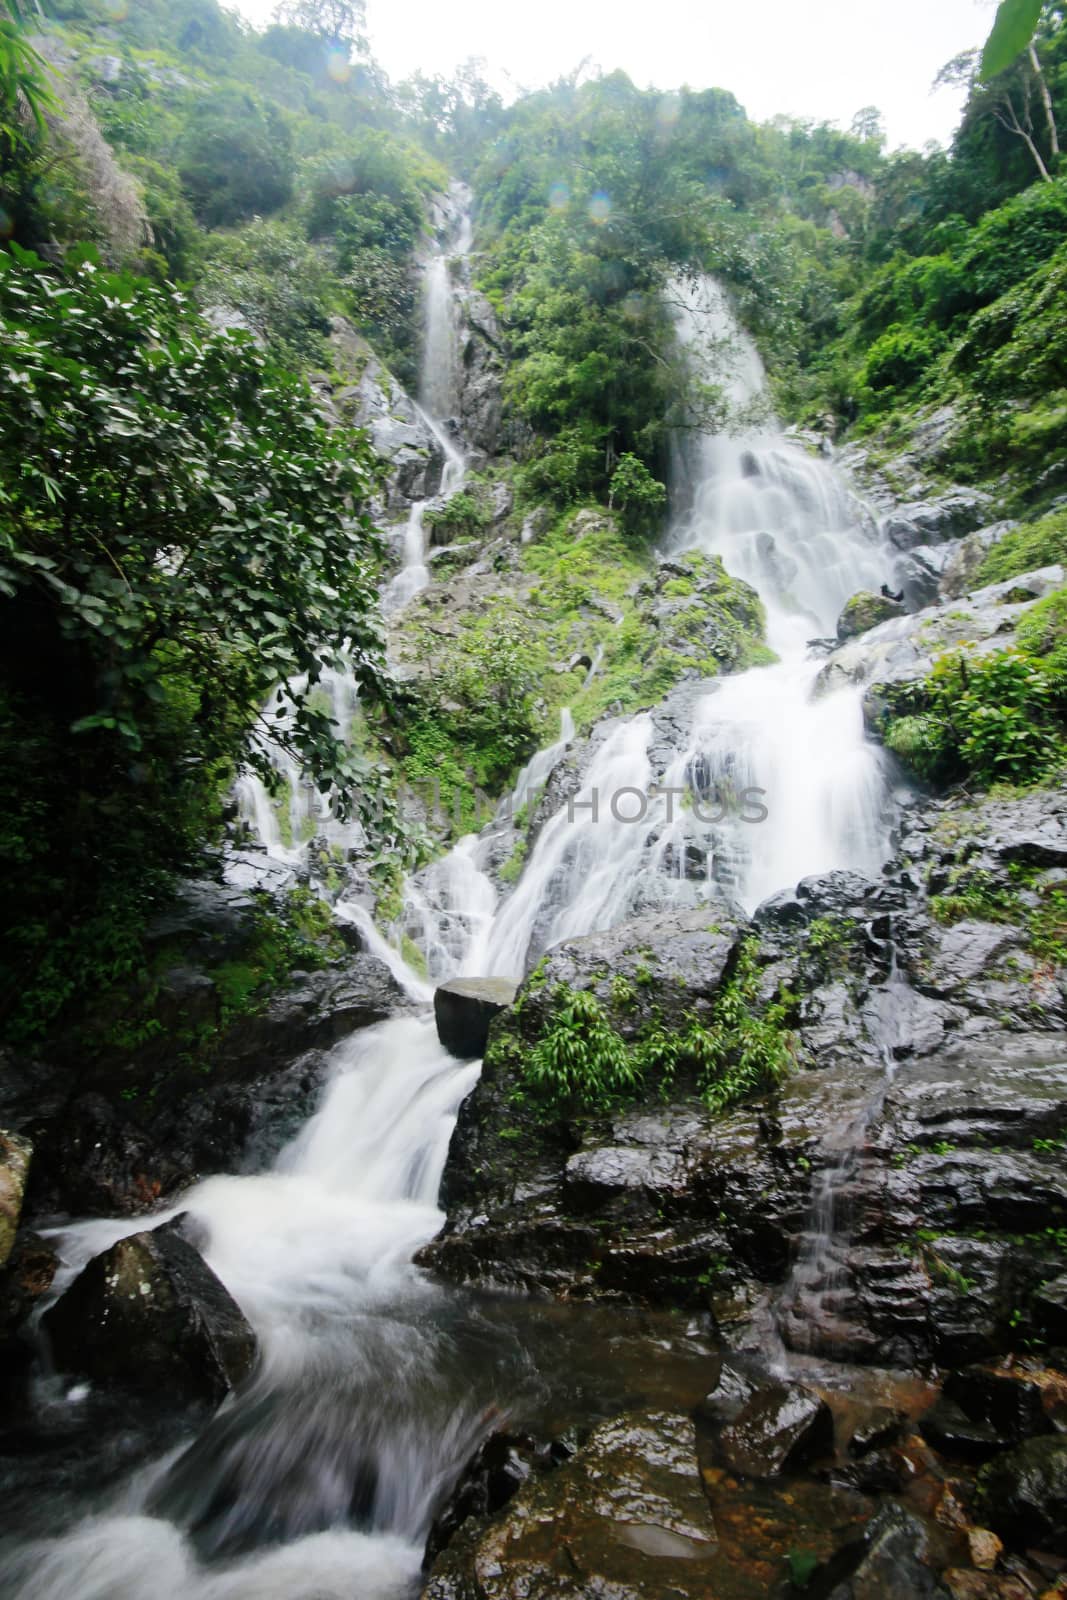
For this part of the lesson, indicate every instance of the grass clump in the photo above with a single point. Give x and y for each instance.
(581, 1063)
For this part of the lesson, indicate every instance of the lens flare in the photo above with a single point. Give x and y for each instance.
(559, 196)
(600, 207)
(338, 66)
(668, 110)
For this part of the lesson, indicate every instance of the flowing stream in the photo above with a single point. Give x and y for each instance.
(321, 1477)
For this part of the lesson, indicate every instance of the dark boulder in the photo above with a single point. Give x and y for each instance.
(889, 1563)
(464, 1009)
(150, 1314)
(781, 1429)
(1050, 1307)
(950, 516)
(1023, 1495)
(878, 1428)
(949, 1429)
(624, 1517)
(1010, 1400)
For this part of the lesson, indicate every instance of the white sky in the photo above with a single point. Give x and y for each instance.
(808, 58)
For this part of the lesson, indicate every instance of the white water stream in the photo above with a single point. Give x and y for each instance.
(347, 1418)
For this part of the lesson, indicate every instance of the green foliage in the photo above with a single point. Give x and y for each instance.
(178, 533)
(640, 497)
(469, 727)
(989, 718)
(580, 1061)
(279, 282)
(235, 159)
(1042, 635)
(463, 515)
(25, 93)
(1026, 548)
(1013, 28)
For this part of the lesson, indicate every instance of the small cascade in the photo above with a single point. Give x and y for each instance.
(283, 827)
(812, 1311)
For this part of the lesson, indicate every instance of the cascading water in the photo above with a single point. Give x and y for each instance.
(438, 381)
(335, 1455)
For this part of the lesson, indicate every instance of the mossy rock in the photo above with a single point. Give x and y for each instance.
(865, 611)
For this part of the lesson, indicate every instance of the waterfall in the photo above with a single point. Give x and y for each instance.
(284, 826)
(322, 1474)
(439, 377)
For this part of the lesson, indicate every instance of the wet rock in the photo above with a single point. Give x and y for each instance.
(464, 1009)
(736, 1387)
(865, 611)
(878, 1428)
(370, 397)
(625, 1517)
(1050, 1307)
(15, 1153)
(891, 1562)
(149, 1313)
(27, 1277)
(783, 1428)
(667, 963)
(483, 360)
(1023, 1495)
(1010, 1400)
(959, 1436)
(950, 516)
(497, 1472)
(984, 1548)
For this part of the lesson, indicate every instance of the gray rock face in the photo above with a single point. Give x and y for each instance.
(965, 558)
(464, 1009)
(150, 1313)
(950, 516)
(371, 398)
(904, 649)
(483, 359)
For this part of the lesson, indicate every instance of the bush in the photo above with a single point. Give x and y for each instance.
(988, 718)
(235, 159)
(639, 496)
(279, 282)
(900, 358)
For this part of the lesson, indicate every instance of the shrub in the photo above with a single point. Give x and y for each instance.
(639, 496)
(988, 718)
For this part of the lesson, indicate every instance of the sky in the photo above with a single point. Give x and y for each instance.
(822, 59)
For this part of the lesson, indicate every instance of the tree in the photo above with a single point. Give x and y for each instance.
(235, 159)
(340, 22)
(1007, 99)
(179, 533)
(868, 125)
